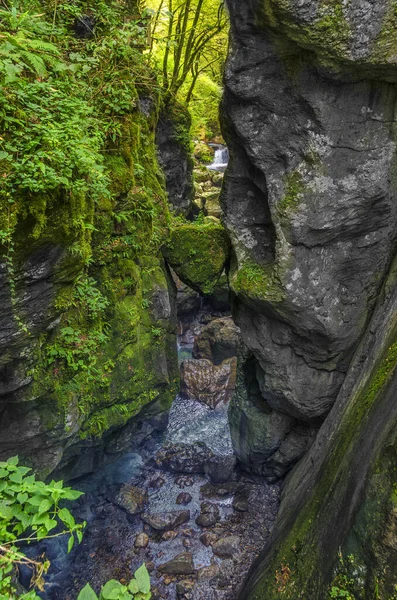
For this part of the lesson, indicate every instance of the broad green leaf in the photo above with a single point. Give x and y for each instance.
(50, 524)
(112, 590)
(87, 593)
(16, 477)
(22, 497)
(36, 500)
(44, 506)
(13, 460)
(133, 586)
(66, 517)
(70, 543)
(143, 579)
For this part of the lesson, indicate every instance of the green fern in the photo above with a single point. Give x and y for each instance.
(24, 53)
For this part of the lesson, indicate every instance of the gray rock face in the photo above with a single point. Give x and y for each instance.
(310, 205)
(266, 441)
(175, 159)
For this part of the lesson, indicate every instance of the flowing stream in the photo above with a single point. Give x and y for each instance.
(221, 158)
(171, 472)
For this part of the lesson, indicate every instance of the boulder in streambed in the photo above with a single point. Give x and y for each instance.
(209, 515)
(141, 540)
(184, 587)
(218, 341)
(166, 521)
(184, 499)
(182, 564)
(209, 383)
(227, 547)
(132, 499)
(196, 458)
(184, 458)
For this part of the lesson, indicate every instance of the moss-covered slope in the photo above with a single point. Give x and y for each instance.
(87, 330)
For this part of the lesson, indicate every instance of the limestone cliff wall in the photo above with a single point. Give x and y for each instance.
(309, 199)
(310, 206)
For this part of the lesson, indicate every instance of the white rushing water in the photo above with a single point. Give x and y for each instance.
(221, 158)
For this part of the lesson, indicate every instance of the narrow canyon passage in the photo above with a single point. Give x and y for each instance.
(198, 299)
(176, 500)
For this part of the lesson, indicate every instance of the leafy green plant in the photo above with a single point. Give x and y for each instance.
(137, 589)
(30, 511)
(344, 584)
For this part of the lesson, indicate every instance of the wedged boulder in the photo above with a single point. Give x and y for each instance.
(198, 254)
(166, 521)
(218, 341)
(209, 383)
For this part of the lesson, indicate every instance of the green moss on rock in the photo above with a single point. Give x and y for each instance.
(258, 282)
(294, 568)
(198, 254)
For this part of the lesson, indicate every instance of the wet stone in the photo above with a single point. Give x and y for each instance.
(184, 458)
(184, 587)
(227, 547)
(166, 521)
(131, 499)
(157, 483)
(221, 490)
(208, 572)
(241, 502)
(208, 539)
(141, 540)
(209, 515)
(169, 535)
(184, 498)
(182, 564)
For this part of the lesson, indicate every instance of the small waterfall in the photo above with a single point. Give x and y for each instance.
(221, 158)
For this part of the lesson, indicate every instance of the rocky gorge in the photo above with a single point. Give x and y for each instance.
(209, 354)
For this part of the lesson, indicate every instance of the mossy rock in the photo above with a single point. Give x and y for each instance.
(198, 254)
(330, 30)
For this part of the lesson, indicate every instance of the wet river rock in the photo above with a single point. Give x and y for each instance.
(209, 383)
(167, 520)
(182, 564)
(184, 499)
(209, 515)
(141, 540)
(132, 499)
(196, 458)
(227, 547)
(218, 341)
